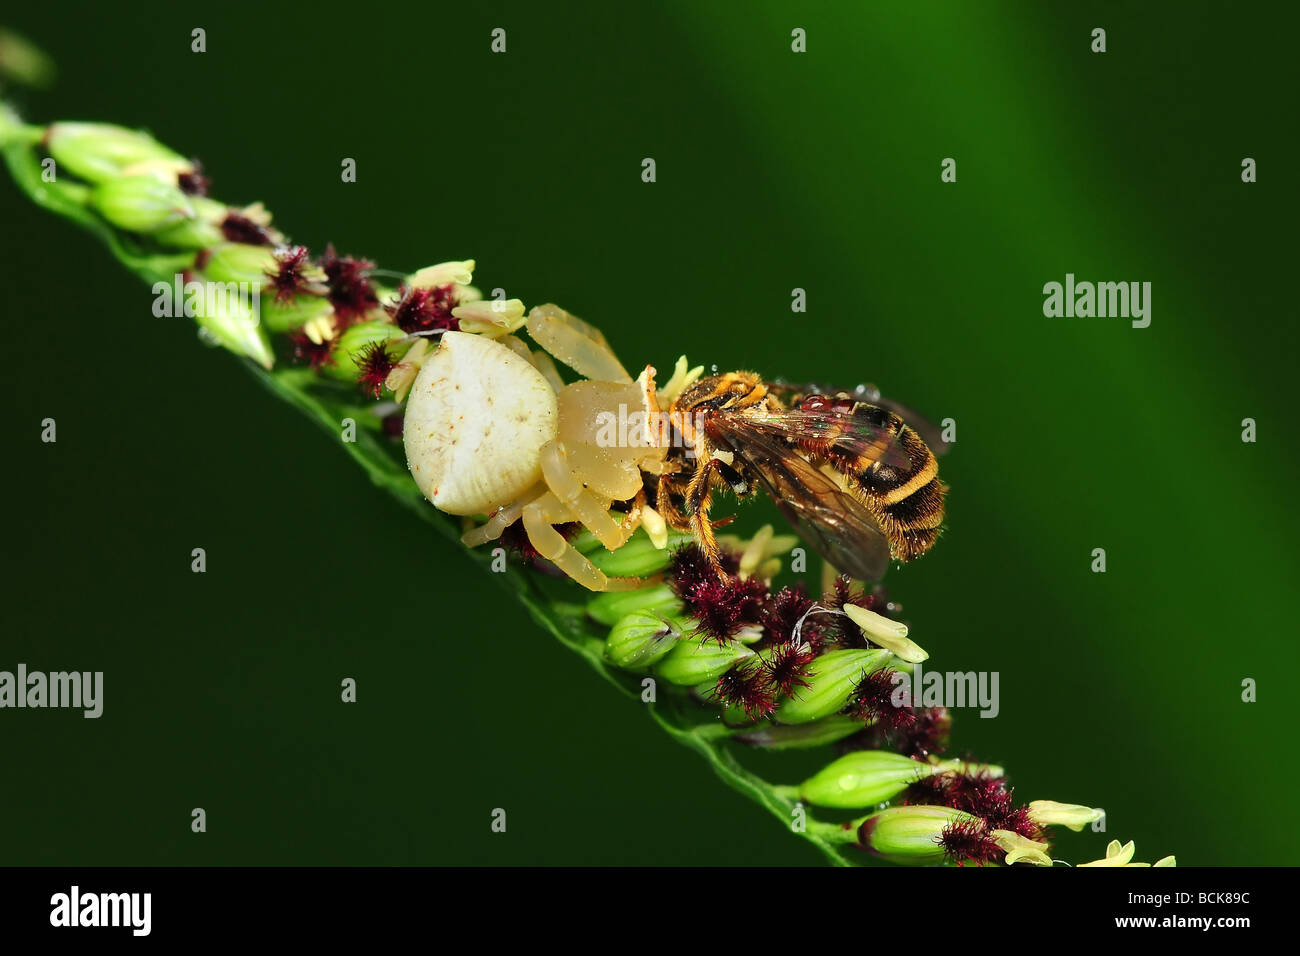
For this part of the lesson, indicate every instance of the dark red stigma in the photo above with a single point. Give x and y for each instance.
(314, 354)
(194, 183)
(787, 666)
(424, 310)
(237, 227)
(784, 611)
(350, 291)
(393, 423)
(746, 686)
(290, 279)
(978, 793)
(374, 362)
(873, 700)
(969, 841)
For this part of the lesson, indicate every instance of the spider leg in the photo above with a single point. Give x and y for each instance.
(568, 488)
(632, 519)
(497, 524)
(578, 345)
(540, 517)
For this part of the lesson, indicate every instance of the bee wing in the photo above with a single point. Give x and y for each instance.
(929, 432)
(834, 523)
(868, 434)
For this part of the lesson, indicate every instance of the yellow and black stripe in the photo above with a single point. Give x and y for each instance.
(907, 502)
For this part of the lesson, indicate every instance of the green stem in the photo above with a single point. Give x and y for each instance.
(835, 834)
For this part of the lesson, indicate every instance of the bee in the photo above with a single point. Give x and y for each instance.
(855, 480)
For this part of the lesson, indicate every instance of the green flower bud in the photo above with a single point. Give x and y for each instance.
(236, 262)
(201, 232)
(891, 635)
(584, 542)
(1049, 813)
(141, 203)
(832, 678)
(731, 716)
(1020, 849)
(638, 557)
(189, 234)
(695, 661)
(351, 342)
(862, 779)
(612, 606)
(641, 639)
(99, 152)
(281, 317)
(231, 323)
(910, 834)
(796, 736)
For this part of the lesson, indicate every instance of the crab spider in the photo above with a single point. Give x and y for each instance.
(491, 429)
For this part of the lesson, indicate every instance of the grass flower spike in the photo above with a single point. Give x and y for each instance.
(611, 547)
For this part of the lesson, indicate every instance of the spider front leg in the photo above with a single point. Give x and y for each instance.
(571, 491)
(540, 517)
(577, 344)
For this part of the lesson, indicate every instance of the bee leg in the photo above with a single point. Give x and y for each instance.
(664, 504)
(699, 498)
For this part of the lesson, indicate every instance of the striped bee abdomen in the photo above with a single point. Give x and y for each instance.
(906, 501)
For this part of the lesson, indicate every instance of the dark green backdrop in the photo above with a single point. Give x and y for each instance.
(775, 170)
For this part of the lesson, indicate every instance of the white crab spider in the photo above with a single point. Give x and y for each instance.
(491, 429)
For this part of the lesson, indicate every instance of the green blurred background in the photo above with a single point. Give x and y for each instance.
(775, 170)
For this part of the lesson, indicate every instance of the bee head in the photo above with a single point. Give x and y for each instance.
(732, 390)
